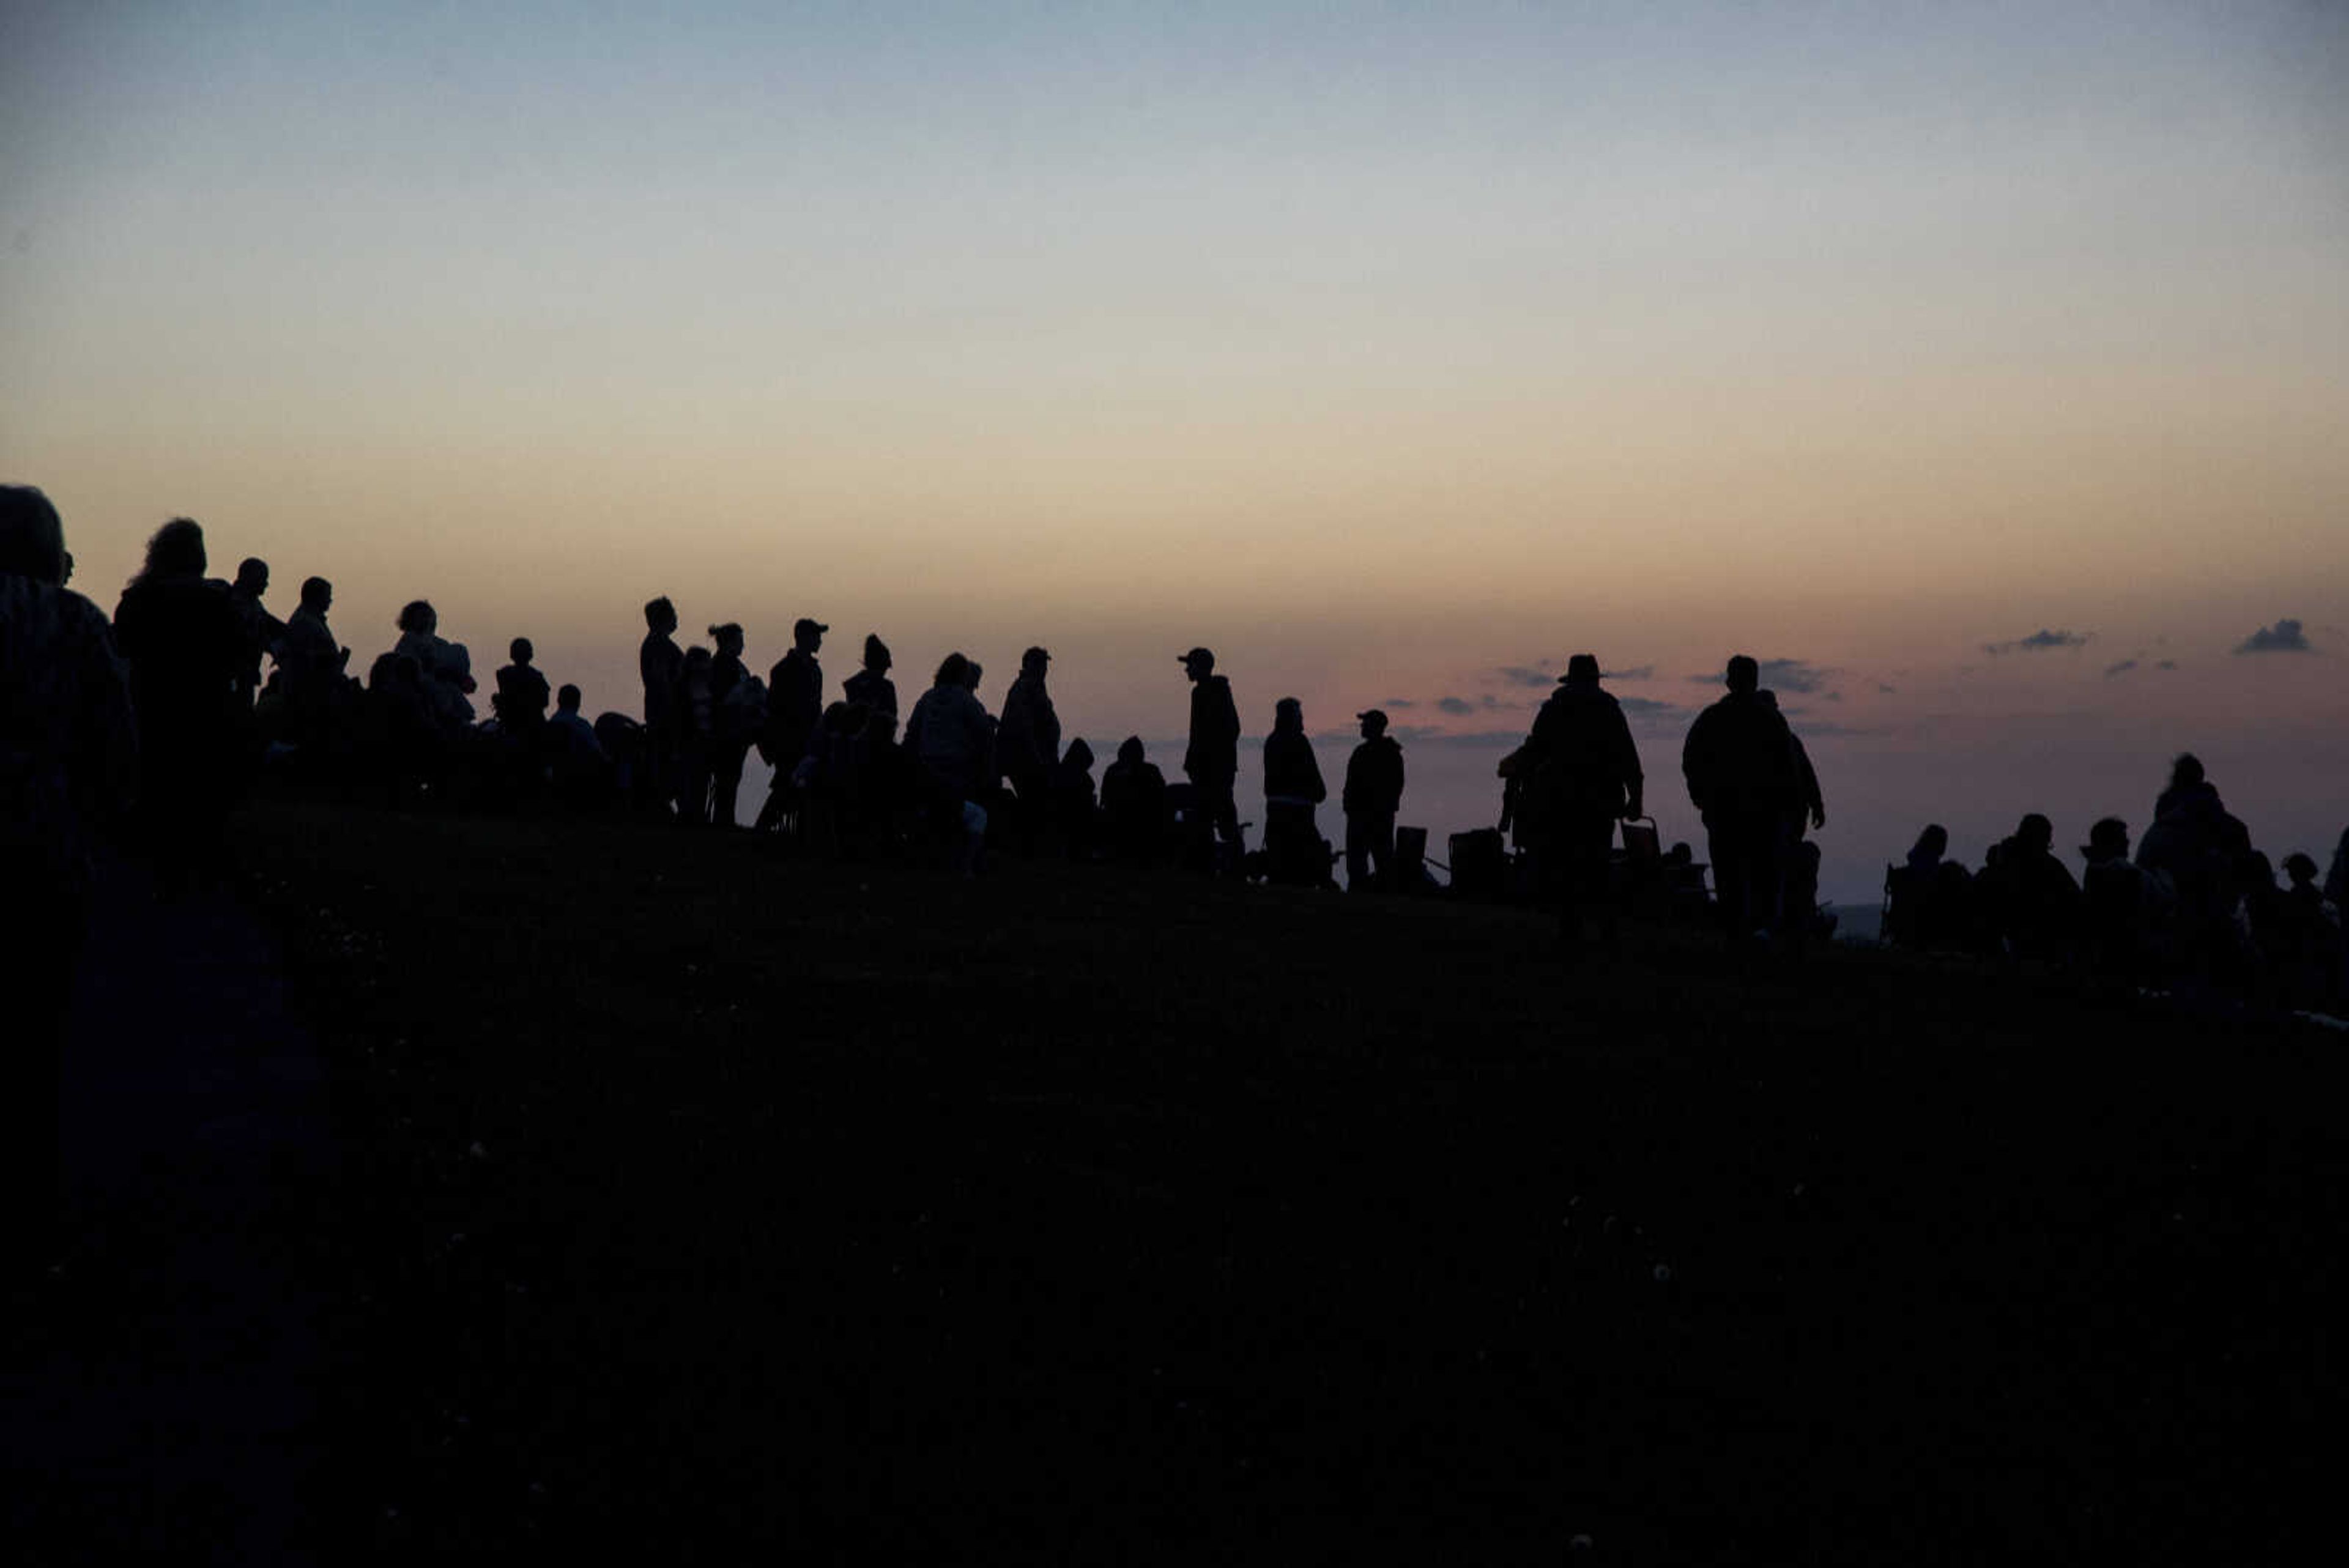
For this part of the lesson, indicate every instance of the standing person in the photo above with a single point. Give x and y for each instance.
(185, 647)
(871, 686)
(794, 708)
(68, 769)
(1581, 770)
(1212, 761)
(263, 632)
(1292, 790)
(1739, 761)
(740, 715)
(1372, 795)
(951, 735)
(1028, 739)
(312, 664)
(660, 663)
(697, 733)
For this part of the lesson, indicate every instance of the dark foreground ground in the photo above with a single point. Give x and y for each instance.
(688, 1199)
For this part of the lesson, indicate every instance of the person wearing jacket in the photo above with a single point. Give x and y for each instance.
(1212, 761)
(1292, 789)
(1372, 795)
(1739, 762)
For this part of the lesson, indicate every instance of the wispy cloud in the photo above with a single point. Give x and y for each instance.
(1636, 672)
(1798, 675)
(1524, 675)
(2167, 664)
(1648, 707)
(1455, 705)
(2285, 637)
(2039, 641)
(1398, 702)
(2123, 668)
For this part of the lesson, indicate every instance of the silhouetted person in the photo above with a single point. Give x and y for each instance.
(581, 768)
(2307, 951)
(447, 667)
(952, 738)
(871, 686)
(1579, 774)
(697, 736)
(1133, 799)
(1070, 799)
(1028, 736)
(1212, 761)
(2198, 849)
(741, 717)
(660, 664)
(2032, 902)
(263, 632)
(1931, 895)
(1292, 790)
(1739, 761)
(1372, 795)
(521, 695)
(2118, 911)
(312, 663)
(185, 647)
(794, 708)
(68, 773)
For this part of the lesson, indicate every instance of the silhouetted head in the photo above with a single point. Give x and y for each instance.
(32, 537)
(1198, 664)
(728, 638)
(954, 671)
(2301, 868)
(2108, 840)
(970, 674)
(697, 661)
(1375, 722)
(1582, 669)
(1931, 843)
(1743, 674)
(660, 616)
(520, 651)
(317, 595)
(876, 654)
(1079, 756)
(1288, 715)
(807, 635)
(1767, 698)
(1033, 661)
(252, 575)
(2035, 833)
(2258, 871)
(567, 699)
(417, 616)
(177, 550)
(2186, 772)
(1129, 751)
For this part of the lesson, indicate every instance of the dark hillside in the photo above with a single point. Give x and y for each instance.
(703, 1198)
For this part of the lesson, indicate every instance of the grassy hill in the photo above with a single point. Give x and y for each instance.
(699, 1197)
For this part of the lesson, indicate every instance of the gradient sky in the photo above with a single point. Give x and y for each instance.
(1387, 350)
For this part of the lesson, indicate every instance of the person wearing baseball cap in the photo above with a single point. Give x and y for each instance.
(1372, 795)
(1212, 762)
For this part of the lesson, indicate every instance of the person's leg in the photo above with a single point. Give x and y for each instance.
(1359, 848)
(1729, 872)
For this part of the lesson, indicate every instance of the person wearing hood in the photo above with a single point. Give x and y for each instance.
(1581, 772)
(1133, 798)
(1212, 761)
(1372, 795)
(184, 645)
(1073, 812)
(1292, 790)
(1028, 739)
(950, 734)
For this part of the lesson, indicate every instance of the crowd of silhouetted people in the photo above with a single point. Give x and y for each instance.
(2197, 907)
(158, 721)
